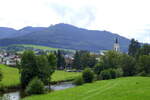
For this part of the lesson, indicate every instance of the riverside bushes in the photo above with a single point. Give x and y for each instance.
(78, 81)
(109, 74)
(88, 75)
(1, 75)
(35, 86)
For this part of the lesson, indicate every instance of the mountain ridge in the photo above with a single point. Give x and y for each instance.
(66, 36)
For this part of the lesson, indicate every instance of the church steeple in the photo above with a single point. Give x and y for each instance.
(116, 45)
(116, 40)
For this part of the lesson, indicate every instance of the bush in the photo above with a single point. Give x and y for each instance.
(119, 72)
(78, 81)
(105, 75)
(35, 86)
(112, 73)
(1, 75)
(88, 75)
(142, 73)
(98, 68)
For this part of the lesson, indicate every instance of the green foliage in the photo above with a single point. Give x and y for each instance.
(40, 66)
(105, 75)
(52, 60)
(60, 60)
(1, 75)
(83, 59)
(109, 74)
(35, 86)
(43, 69)
(143, 73)
(133, 47)
(119, 72)
(127, 63)
(88, 75)
(144, 64)
(77, 61)
(78, 81)
(144, 50)
(111, 59)
(98, 68)
(28, 67)
(113, 73)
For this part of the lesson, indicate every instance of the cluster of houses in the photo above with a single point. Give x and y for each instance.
(10, 59)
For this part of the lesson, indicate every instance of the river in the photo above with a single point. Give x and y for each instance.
(16, 95)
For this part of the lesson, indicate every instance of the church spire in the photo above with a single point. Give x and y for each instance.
(116, 45)
(116, 40)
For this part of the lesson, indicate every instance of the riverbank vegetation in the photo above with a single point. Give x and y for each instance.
(11, 76)
(129, 88)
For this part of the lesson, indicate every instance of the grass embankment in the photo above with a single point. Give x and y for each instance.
(62, 75)
(130, 88)
(11, 76)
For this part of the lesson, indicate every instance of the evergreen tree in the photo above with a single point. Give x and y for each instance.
(52, 60)
(133, 47)
(77, 61)
(83, 59)
(60, 60)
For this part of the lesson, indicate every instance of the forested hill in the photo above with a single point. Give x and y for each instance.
(63, 36)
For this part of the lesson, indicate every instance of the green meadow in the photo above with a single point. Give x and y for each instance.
(62, 75)
(11, 76)
(40, 47)
(129, 88)
(44, 47)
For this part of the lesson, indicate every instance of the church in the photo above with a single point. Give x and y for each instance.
(116, 46)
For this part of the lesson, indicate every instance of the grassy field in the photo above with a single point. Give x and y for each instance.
(62, 75)
(40, 47)
(130, 88)
(45, 47)
(11, 76)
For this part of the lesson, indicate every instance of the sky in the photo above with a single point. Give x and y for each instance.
(129, 18)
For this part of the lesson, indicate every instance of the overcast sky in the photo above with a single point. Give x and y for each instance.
(129, 18)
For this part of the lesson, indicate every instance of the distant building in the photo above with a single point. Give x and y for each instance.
(9, 58)
(116, 45)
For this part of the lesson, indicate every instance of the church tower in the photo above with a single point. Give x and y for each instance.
(116, 45)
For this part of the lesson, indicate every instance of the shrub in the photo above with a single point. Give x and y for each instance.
(35, 86)
(119, 72)
(105, 74)
(1, 75)
(142, 73)
(88, 75)
(112, 73)
(98, 68)
(78, 81)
